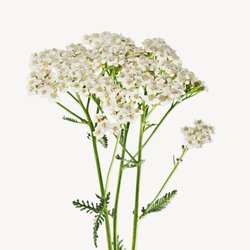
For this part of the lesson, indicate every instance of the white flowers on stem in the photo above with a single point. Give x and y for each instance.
(125, 82)
(112, 69)
(198, 135)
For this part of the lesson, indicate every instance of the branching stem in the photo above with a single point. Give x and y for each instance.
(177, 163)
(136, 158)
(173, 105)
(99, 172)
(69, 111)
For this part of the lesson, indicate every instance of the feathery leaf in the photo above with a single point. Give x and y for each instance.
(86, 206)
(104, 141)
(98, 209)
(89, 207)
(100, 217)
(120, 244)
(159, 204)
(74, 120)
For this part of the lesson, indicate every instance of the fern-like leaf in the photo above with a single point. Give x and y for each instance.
(98, 209)
(74, 120)
(89, 207)
(86, 206)
(159, 204)
(120, 244)
(104, 141)
(100, 217)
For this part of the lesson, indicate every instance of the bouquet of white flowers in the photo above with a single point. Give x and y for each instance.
(124, 82)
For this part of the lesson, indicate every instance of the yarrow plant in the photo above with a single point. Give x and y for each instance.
(116, 82)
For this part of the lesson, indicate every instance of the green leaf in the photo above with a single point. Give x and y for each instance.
(120, 244)
(131, 164)
(74, 120)
(89, 136)
(104, 141)
(118, 157)
(89, 207)
(98, 209)
(86, 206)
(159, 204)
(100, 217)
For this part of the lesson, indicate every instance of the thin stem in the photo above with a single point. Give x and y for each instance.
(185, 149)
(112, 162)
(156, 128)
(98, 164)
(73, 96)
(163, 119)
(97, 102)
(88, 102)
(138, 179)
(99, 172)
(99, 108)
(159, 124)
(107, 224)
(118, 188)
(69, 111)
(151, 111)
(129, 154)
(86, 113)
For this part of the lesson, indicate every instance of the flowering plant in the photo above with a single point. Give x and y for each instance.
(124, 83)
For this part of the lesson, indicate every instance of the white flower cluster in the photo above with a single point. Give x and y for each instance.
(198, 135)
(111, 68)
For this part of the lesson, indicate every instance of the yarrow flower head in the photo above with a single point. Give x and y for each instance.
(198, 135)
(113, 82)
(110, 69)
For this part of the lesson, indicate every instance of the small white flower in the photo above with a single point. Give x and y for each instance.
(99, 133)
(111, 67)
(197, 135)
(45, 91)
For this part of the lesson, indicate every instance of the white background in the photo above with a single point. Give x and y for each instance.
(46, 162)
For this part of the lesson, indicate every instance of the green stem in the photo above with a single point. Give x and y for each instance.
(99, 108)
(129, 154)
(154, 131)
(69, 93)
(159, 124)
(97, 102)
(118, 188)
(138, 179)
(99, 172)
(69, 111)
(151, 111)
(88, 102)
(111, 163)
(162, 120)
(185, 149)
